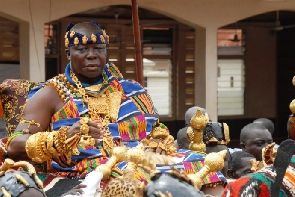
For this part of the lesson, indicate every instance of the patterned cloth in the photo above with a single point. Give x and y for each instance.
(13, 94)
(192, 162)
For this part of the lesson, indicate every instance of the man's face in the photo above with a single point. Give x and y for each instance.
(256, 141)
(88, 60)
(245, 168)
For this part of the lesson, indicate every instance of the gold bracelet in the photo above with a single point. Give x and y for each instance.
(34, 148)
(31, 122)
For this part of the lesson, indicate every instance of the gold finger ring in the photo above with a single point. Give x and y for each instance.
(84, 128)
(84, 120)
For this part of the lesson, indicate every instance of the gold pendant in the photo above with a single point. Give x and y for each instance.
(94, 87)
(98, 105)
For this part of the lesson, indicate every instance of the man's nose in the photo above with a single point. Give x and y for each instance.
(91, 53)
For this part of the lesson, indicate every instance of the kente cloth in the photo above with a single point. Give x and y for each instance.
(136, 117)
(192, 162)
(259, 183)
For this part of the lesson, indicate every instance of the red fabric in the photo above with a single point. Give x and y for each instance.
(245, 186)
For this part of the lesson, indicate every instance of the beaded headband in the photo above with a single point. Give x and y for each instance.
(73, 38)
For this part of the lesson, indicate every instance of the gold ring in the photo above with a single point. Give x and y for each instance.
(84, 128)
(84, 120)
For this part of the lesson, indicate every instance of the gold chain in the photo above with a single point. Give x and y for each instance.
(96, 106)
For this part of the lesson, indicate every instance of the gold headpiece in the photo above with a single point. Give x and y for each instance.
(73, 38)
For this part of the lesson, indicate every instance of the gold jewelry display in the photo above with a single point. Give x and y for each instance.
(198, 123)
(43, 146)
(213, 162)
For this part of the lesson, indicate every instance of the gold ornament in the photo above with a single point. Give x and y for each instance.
(293, 81)
(84, 129)
(254, 165)
(269, 154)
(76, 41)
(102, 39)
(198, 123)
(127, 184)
(93, 38)
(117, 156)
(213, 162)
(84, 39)
(72, 34)
(67, 42)
(160, 138)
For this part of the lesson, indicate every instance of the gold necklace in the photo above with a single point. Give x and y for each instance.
(105, 103)
(98, 104)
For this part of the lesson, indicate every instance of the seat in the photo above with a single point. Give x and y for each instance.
(13, 94)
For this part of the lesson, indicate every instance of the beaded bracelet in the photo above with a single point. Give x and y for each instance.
(14, 135)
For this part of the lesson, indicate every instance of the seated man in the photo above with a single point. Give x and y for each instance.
(253, 138)
(239, 164)
(72, 121)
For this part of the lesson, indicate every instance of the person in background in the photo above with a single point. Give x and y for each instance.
(239, 164)
(181, 141)
(268, 124)
(253, 138)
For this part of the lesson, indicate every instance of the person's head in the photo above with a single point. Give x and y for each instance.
(182, 140)
(239, 164)
(216, 148)
(86, 49)
(267, 123)
(253, 138)
(191, 112)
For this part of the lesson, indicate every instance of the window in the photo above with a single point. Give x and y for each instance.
(231, 82)
(157, 74)
(157, 66)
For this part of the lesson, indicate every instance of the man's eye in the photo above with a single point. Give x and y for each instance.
(99, 49)
(81, 49)
(260, 143)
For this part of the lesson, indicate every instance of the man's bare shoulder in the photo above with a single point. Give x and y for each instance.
(47, 95)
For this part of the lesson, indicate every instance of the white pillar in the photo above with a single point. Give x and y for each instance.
(206, 70)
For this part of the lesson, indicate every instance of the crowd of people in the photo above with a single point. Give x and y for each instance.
(91, 124)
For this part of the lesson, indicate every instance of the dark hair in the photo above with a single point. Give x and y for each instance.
(235, 162)
(267, 123)
(247, 130)
(182, 137)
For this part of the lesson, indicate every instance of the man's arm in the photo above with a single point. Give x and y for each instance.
(39, 108)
